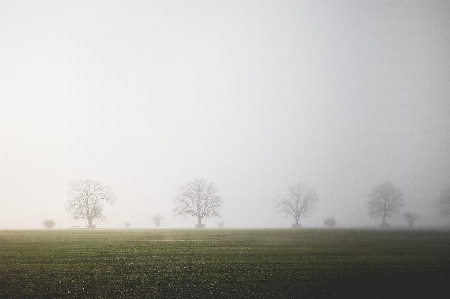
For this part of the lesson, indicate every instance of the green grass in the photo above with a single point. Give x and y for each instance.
(224, 264)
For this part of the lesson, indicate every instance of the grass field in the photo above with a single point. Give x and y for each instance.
(304, 263)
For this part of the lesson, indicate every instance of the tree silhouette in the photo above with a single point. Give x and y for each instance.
(385, 201)
(410, 218)
(157, 219)
(299, 202)
(199, 199)
(86, 199)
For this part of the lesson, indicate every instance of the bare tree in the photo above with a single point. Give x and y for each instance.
(410, 218)
(127, 224)
(221, 224)
(199, 199)
(329, 222)
(385, 201)
(157, 219)
(444, 202)
(49, 223)
(86, 199)
(299, 202)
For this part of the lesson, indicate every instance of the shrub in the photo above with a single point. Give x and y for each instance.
(49, 223)
(329, 222)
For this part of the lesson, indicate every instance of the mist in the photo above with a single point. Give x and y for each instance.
(254, 96)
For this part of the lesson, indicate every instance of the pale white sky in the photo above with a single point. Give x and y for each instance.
(254, 96)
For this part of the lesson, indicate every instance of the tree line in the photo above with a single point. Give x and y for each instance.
(200, 199)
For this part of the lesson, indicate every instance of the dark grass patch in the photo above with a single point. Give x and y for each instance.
(223, 264)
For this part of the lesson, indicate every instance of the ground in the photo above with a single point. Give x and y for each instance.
(300, 263)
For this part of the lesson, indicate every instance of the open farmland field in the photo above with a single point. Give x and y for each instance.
(224, 264)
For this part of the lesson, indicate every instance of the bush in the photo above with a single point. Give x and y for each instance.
(49, 223)
(200, 226)
(329, 222)
(295, 225)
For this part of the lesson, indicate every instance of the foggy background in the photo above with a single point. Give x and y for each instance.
(253, 96)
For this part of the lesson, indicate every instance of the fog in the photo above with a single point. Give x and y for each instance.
(254, 96)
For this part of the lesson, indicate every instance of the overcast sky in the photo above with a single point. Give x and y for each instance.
(253, 96)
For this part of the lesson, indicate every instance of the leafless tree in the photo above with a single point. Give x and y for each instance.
(299, 202)
(329, 222)
(49, 223)
(127, 224)
(385, 201)
(410, 218)
(444, 202)
(221, 224)
(157, 219)
(199, 199)
(86, 199)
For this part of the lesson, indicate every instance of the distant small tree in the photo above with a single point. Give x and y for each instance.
(385, 201)
(49, 223)
(329, 222)
(299, 202)
(199, 199)
(444, 202)
(221, 224)
(157, 219)
(410, 218)
(127, 224)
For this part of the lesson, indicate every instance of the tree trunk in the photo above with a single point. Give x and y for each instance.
(90, 222)
(199, 223)
(296, 225)
(384, 225)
